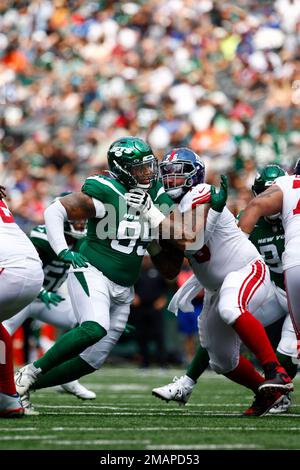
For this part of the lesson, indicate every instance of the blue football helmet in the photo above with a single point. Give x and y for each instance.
(181, 169)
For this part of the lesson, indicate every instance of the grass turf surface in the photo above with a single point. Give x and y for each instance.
(126, 416)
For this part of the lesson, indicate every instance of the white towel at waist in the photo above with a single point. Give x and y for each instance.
(182, 300)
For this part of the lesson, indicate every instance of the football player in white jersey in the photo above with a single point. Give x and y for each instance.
(283, 197)
(21, 279)
(236, 281)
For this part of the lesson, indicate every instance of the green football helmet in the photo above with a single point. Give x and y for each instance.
(265, 178)
(132, 161)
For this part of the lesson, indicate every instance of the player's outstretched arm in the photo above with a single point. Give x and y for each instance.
(265, 204)
(72, 207)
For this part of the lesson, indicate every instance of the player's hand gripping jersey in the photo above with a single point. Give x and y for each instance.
(226, 250)
(119, 255)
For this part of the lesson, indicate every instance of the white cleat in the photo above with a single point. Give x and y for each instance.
(25, 378)
(10, 406)
(283, 406)
(178, 390)
(75, 388)
(29, 409)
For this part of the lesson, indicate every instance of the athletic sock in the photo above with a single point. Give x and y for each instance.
(199, 364)
(70, 345)
(254, 336)
(287, 363)
(7, 383)
(64, 373)
(245, 374)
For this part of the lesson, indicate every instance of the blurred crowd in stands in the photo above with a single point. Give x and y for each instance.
(221, 77)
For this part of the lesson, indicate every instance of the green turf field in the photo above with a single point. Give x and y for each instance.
(126, 416)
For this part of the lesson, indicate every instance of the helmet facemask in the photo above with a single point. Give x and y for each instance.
(177, 177)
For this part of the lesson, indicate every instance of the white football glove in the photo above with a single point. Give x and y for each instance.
(139, 200)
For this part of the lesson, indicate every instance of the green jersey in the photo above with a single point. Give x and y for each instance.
(117, 243)
(55, 270)
(269, 240)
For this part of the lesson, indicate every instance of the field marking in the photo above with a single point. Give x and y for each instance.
(50, 440)
(178, 428)
(159, 413)
(149, 406)
(156, 428)
(26, 438)
(18, 429)
(203, 446)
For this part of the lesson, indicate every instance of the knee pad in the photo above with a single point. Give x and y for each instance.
(227, 310)
(93, 330)
(224, 366)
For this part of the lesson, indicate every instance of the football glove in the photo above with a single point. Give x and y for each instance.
(142, 202)
(49, 298)
(76, 259)
(139, 200)
(218, 199)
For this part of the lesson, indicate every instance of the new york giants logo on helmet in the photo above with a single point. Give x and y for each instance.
(180, 169)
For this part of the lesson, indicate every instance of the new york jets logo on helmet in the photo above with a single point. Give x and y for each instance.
(132, 161)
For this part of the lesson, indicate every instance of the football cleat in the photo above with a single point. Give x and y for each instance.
(29, 409)
(279, 382)
(262, 404)
(25, 378)
(10, 406)
(177, 390)
(75, 388)
(283, 406)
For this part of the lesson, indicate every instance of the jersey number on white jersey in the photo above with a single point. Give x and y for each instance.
(5, 214)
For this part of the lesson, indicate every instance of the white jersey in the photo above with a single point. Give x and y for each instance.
(15, 246)
(227, 249)
(290, 187)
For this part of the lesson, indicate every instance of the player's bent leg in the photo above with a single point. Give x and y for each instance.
(96, 355)
(19, 287)
(61, 315)
(10, 405)
(90, 296)
(68, 371)
(13, 323)
(243, 291)
(292, 283)
(287, 348)
(68, 345)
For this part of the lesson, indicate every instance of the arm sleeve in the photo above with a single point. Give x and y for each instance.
(55, 216)
(211, 222)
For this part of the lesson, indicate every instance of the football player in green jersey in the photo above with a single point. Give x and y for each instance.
(268, 237)
(102, 274)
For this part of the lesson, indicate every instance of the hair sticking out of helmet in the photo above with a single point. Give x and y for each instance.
(181, 169)
(133, 162)
(266, 177)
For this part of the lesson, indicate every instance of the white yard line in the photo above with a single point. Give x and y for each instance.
(158, 413)
(156, 428)
(203, 446)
